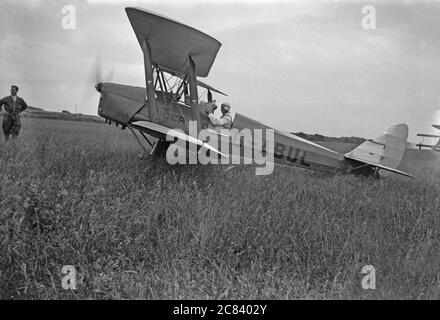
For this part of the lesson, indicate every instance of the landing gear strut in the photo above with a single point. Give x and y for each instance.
(159, 148)
(366, 170)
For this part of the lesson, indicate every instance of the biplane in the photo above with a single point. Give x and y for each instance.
(436, 137)
(175, 56)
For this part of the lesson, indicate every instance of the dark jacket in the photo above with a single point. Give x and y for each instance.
(11, 107)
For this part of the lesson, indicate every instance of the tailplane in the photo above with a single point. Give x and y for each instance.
(385, 152)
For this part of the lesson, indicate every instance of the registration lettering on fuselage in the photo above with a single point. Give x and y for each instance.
(294, 155)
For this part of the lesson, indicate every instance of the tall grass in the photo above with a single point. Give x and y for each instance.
(136, 228)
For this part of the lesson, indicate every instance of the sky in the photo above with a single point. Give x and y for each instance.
(306, 66)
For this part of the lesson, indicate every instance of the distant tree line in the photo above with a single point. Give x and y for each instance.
(320, 137)
(34, 112)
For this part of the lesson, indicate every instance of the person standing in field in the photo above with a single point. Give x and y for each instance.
(14, 105)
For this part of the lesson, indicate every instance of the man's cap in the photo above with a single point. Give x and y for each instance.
(226, 105)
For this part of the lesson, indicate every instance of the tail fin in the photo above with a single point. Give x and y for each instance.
(384, 152)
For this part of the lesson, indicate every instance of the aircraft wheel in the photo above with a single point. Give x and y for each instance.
(160, 148)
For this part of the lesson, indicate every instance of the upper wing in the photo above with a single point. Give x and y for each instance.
(174, 133)
(428, 135)
(172, 42)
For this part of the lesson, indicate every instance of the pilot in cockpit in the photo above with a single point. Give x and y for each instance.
(225, 120)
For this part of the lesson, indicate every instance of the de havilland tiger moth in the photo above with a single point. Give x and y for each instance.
(172, 50)
(436, 145)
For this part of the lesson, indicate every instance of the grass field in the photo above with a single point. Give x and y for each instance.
(78, 194)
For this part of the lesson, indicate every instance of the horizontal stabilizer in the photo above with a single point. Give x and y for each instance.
(384, 152)
(176, 134)
(377, 142)
(382, 167)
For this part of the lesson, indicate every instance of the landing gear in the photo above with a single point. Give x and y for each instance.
(159, 148)
(366, 170)
(376, 174)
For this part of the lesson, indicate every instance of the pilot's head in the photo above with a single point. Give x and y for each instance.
(226, 107)
(14, 90)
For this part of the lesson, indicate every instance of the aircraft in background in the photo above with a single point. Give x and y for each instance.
(175, 55)
(436, 145)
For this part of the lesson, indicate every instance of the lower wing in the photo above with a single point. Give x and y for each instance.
(157, 128)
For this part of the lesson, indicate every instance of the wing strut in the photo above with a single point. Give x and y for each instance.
(192, 79)
(151, 93)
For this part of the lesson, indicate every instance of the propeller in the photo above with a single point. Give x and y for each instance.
(96, 76)
(93, 80)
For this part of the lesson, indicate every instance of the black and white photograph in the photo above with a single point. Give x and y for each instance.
(231, 152)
